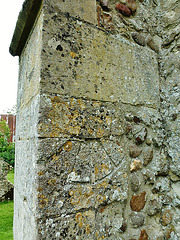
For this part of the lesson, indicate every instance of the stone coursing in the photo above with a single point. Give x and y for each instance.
(101, 85)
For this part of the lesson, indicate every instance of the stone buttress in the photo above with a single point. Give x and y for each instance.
(97, 124)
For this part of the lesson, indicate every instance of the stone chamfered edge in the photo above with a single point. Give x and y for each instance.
(25, 22)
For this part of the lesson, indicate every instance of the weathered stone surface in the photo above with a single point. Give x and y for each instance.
(137, 202)
(93, 50)
(85, 10)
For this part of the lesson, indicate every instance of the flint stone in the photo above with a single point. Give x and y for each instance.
(147, 156)
(134, 150)
(143, 235)
(135, 183)
(135, 165)
(137, 202)
(153, 207)
(141, 136)
(166, 217)
(137, 219)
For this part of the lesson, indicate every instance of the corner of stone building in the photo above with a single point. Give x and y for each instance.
(103, 98)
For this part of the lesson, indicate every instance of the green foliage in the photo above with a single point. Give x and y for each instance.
(7, 149)
(6, 220)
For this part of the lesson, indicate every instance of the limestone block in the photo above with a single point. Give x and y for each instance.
(30, 65)
(81, 61)
(62, 117)
(85, 10)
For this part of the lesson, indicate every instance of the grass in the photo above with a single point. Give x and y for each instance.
(6, 220)
(6, 215)
(10, 176)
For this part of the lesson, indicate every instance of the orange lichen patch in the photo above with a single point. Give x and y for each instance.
(43, 201)
(90, 131)
(100, 133)
(55, 99)
(87, 229)
(97, 119)
(105, 168)
(101, 210)
(96, 169)
(39, 189)
(101, 198)
(52, 181)
(72, 54)
(71, 192)
(75, 201)
(67, 146)
(81, 196)
(78, 217)
(96, 234)
(108, 120)
(101, 238)
(81, 104)
(90, 214)
(41, 196)
(60, 150)
(54, 134)
(40, 173)
(104, 184)
(55, 158)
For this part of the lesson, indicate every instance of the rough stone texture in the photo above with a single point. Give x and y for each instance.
(95, 79)
(25, 196)
(6, 187)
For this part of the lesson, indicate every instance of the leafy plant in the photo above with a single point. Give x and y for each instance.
(7, 149)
